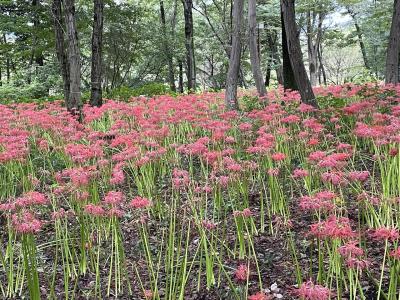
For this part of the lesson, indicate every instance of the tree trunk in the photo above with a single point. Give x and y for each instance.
(289, 81)
(274, 61)
(268, 72)
(392, 59)
(74, 104)
(8, 61)
(180, 87)
(312, 52)
(96, 96)
(37, 54)
(321, 65)
(231, 102)
(254, 54)
(60, 46)
(8, 73)
(296, 56)
(360, 38)
(189, 43)
(167, 50)
(314, 36)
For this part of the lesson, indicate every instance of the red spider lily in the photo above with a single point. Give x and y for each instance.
(117, 176)
(384, 233)
(94, 210)
(300, 173)
(274, 172)
(278, 156)
(209, 224)
(393, 151)
(333, 227)
(31, 199)
(140, 202)
(115, 212)
(81, 153)
(311, 291)
(356, 263)
(25, 223)
(82, 196)
(291, 119)
(42, 144)
(395, 253)
(350, 250)
(246, 213)
(113, 198)
(241, 273)
(334, 177)
(309, 203)
(148, 294)
(358, 176)
(316, 156)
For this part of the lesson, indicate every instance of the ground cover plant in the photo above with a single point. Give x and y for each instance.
(176, 198)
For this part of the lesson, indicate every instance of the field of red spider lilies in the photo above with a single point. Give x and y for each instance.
(175, 198)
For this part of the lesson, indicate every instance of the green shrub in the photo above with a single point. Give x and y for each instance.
(149, 90)
(250, 103)
(35, 91)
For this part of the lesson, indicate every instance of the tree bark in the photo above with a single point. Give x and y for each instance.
(189, 43)
(289, 81)
(96, 96)
(267, 81)
(180, 86)
(360, 38)
(253, 45)
(74, 105)
(37, 53)
(8, 61)
(167, 49)
(312, 53)
(60, 46)
(313, 41)
(321, 65)
(273, 58)
(231, 101)
(296, 56)
(392, 58)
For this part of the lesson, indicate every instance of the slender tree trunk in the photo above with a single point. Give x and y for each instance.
(296, 56)
(312, 52)
(360, 38)
(180, 88)
(8, 61)
(254, 54)
(37, 53)
(279, 75)
(314, 37)
(60, 46)
(289, 81)
(362, 46)
(268, 72)
(321, 65)
(74, 104)
(231, 101)
(392, 58)
(272, 39)
(96, 96)
(189, 43)
(8, 73)
(167, 50)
